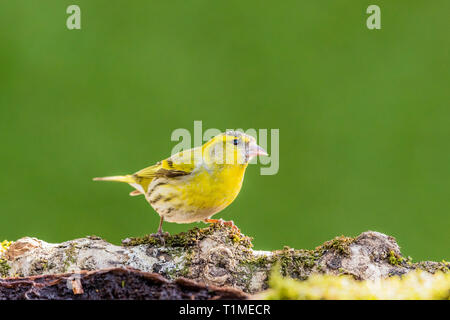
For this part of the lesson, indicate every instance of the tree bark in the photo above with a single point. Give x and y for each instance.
(216, 257)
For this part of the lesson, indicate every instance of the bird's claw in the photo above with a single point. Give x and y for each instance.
(222, 222)
(231, 225)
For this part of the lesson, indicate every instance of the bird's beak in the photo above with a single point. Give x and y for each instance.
(255, 150)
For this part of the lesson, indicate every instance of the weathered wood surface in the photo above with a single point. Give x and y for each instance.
(216, 256)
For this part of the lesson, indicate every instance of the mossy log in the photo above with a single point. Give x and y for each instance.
(215, 256)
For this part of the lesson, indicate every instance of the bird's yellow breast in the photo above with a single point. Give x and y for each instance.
(215, 189)
(198, 196)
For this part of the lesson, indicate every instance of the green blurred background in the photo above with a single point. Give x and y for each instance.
(364, 115)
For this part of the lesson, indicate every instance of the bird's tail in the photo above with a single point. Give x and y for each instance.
(127, 179)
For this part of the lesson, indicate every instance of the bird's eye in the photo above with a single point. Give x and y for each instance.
(235, 142)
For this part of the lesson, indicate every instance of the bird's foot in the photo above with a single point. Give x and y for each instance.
(160, 236)
(223, 223)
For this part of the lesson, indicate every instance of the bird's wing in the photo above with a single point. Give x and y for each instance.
(180, 164)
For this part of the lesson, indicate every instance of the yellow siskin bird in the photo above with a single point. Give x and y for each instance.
(195, 184)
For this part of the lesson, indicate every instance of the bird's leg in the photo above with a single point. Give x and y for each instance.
(222, 222)
(160, 230)
(160, 234)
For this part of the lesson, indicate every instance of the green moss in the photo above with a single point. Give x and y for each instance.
(261, 261)
(190, 237)
(297, 263)
(70, 253)
(340, 244)
(409, 261)
(251, 265)
(254, 263)
(239, 239)
(415, 285)
(300, 263)
(4, 268)
(432, 267)
(185, 270)
(39, 266)
(183, 263)
(183, 239)
(395, 259)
